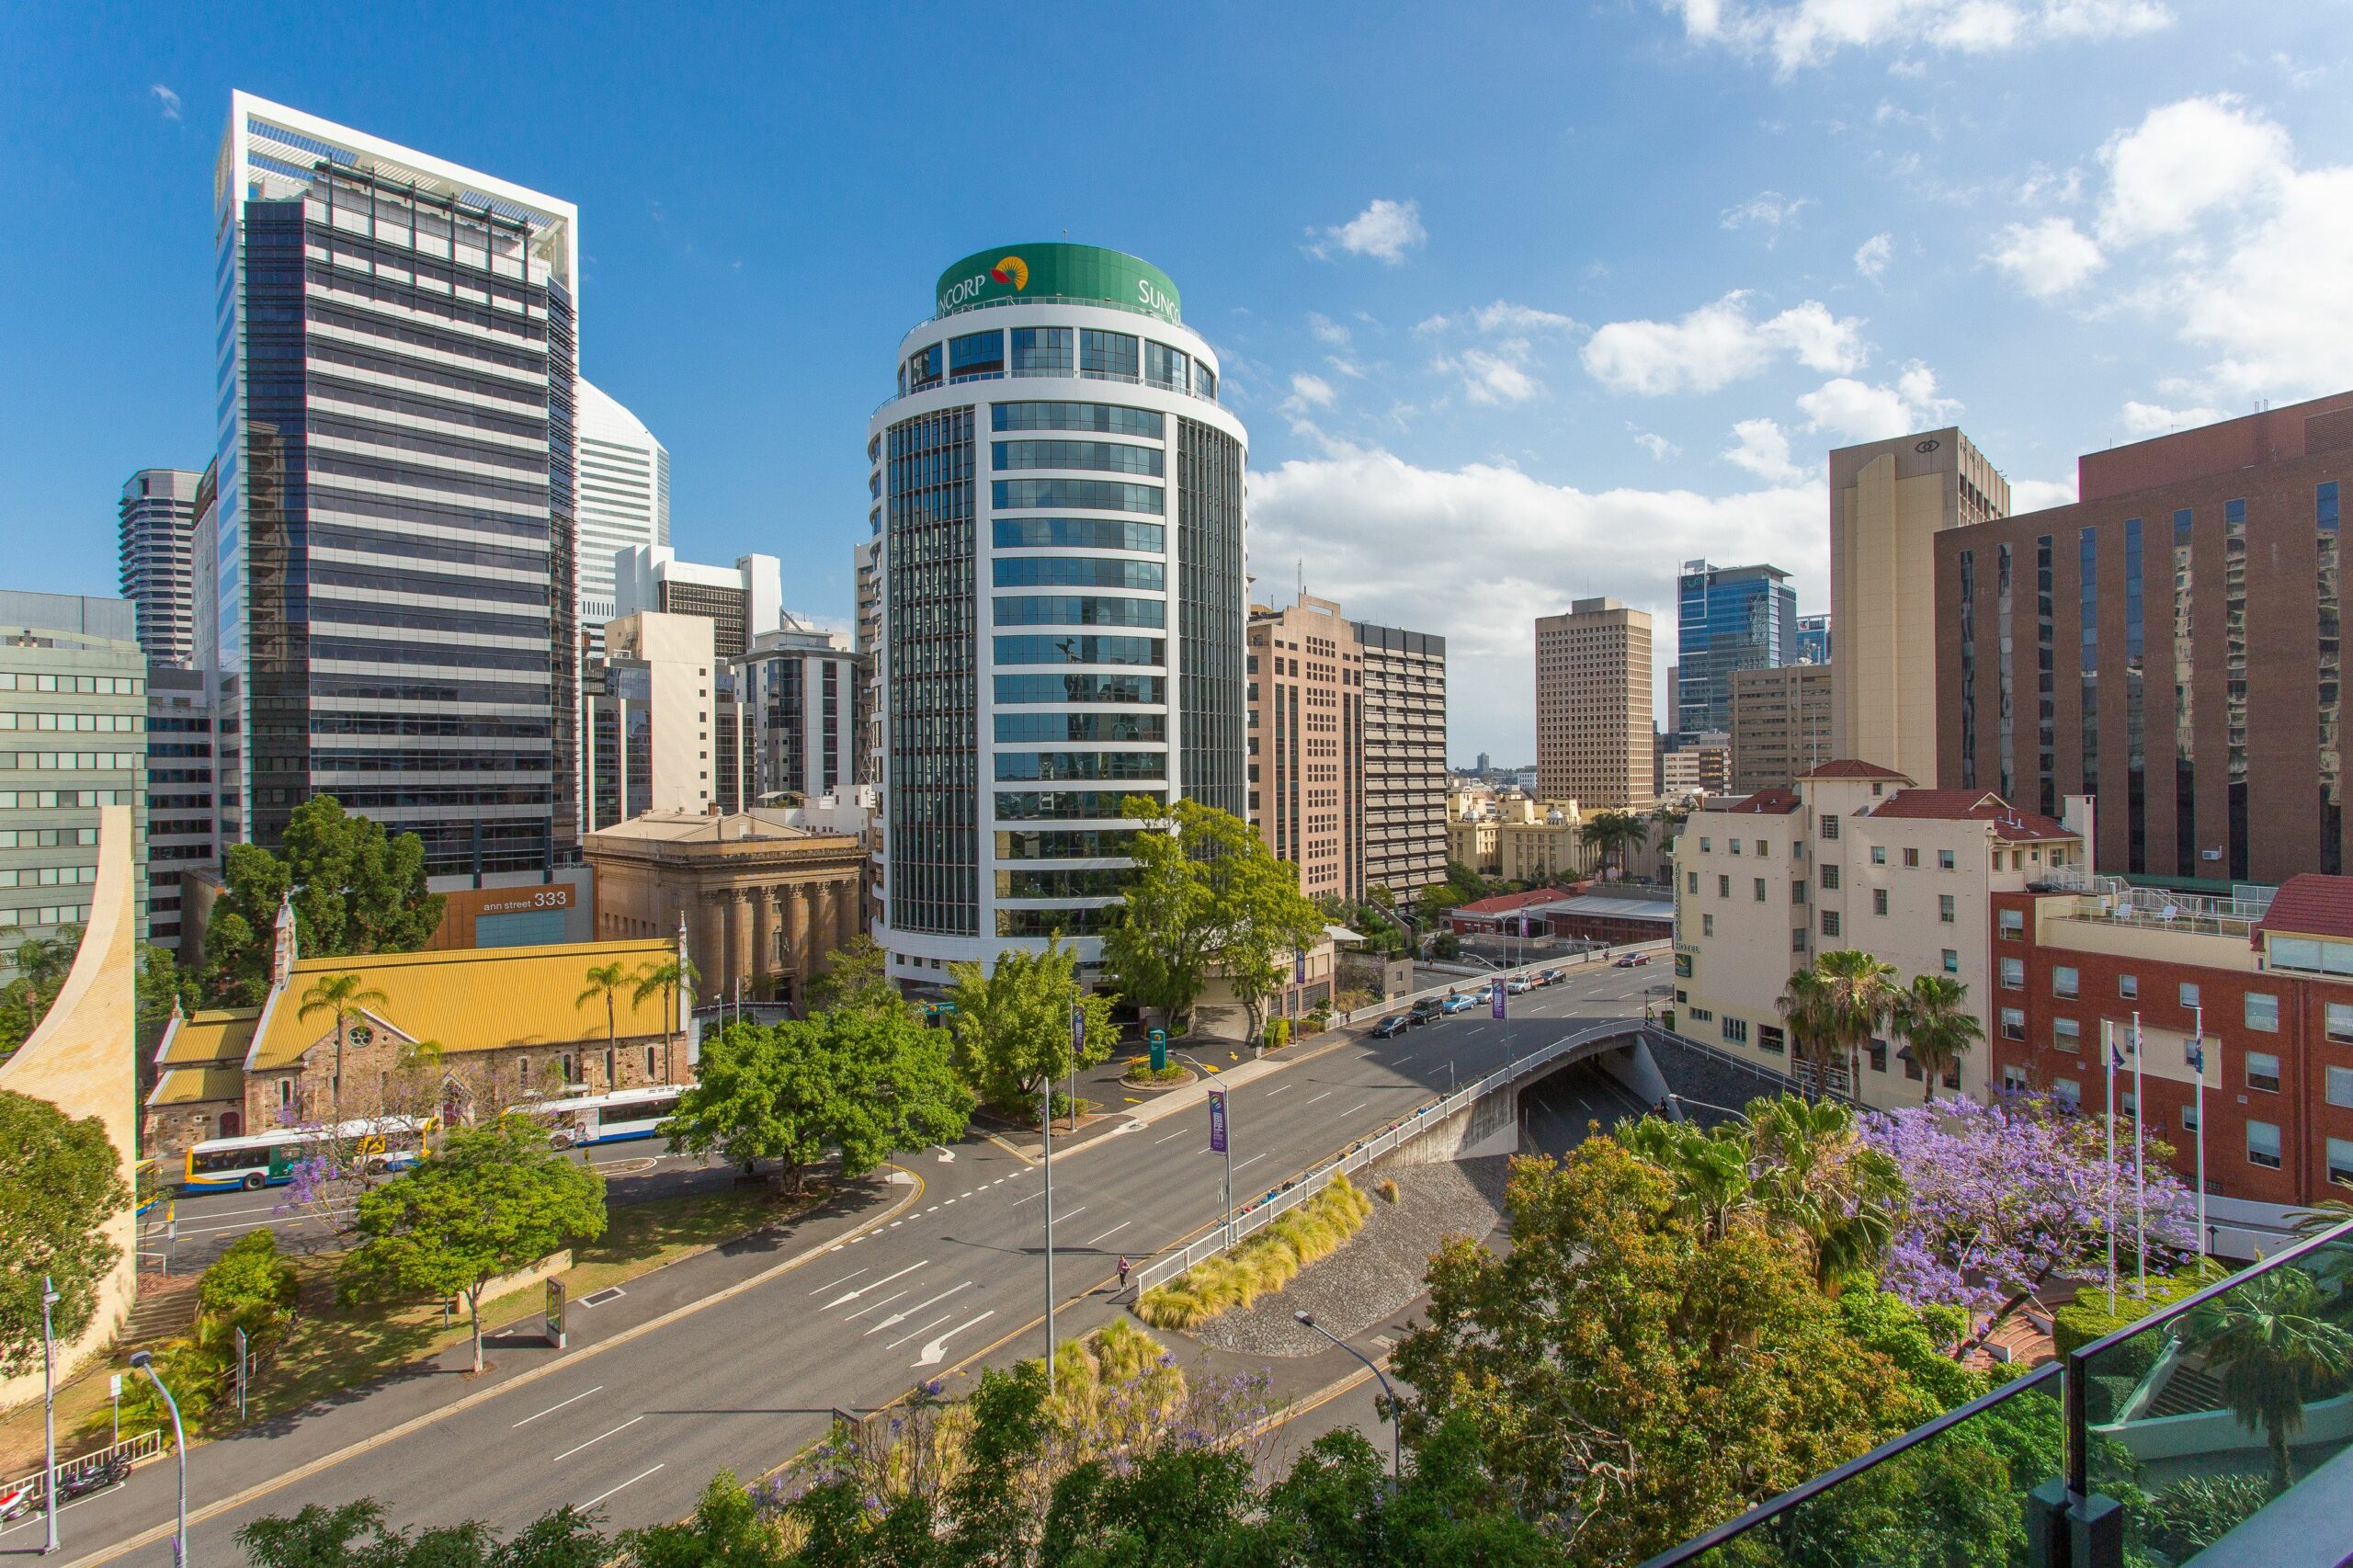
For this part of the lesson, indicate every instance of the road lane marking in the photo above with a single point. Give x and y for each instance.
(551, 1409)
(937, 1349)
(874, 1307)
(1354, 1109)
(1276, 1090)
(1325, 1095)
(899, 1317)
(1251, 1161)
(1158, 1141)
(927, 1329)
(1031, 1199)
(876, 1285)
(843, 1280)
(1112, 1232)
(596, 1439)
(1066, 1219)
(633, 1480)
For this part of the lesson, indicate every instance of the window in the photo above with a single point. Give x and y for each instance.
(2067, 1092)
(1876, 1055)
(1829, 879)
(1042, 351)
(1736, 846)
(1763, 849)
(1736, 1030)
(2340, 1086)
(2263, 1072)
(1952, 960)
(2262, 1144)
(2188, 994)
(1879, 854)
(2066, 1034)
(1707, 925)
(2128, 986)
(1830, 922)
(1912, 858)
(1691, 881)
(652, 1066)
(2013, 924)
(2012, 1023)
(1769, 1039)
(1760, 890)
(2263, 1012)
(1796, 891)
(2065, 980)
(1723, 887)
(2014, 974)
(1797, 939)
(2189, 1116)
(1944, 860)
(2340, 1022)
(976, 354)
(1879, 900)
(1944, 909)
(1108, 355)
(1705, 845)
(2013, 1078)
(1829, 827)
(2340, 1160)
(1702, 1015)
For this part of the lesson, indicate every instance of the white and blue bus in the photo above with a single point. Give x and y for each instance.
(267, 1159)
(616, 1116)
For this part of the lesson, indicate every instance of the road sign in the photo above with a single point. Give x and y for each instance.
(555, 1313)
(1217, 1121)
(1160, 1051)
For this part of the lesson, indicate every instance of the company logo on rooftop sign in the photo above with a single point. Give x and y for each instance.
(1081, 273)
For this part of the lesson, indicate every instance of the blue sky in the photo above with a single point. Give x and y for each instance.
(1520, 303)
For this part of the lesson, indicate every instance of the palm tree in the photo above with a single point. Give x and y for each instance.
(2273, 1352)
(604, 980)
(346, 996)
(1803, 1008)
(1858, 992)
(1814, 1173)
(672, 975)
(1932, 1015)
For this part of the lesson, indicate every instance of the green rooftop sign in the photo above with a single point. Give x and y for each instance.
(1058, 272)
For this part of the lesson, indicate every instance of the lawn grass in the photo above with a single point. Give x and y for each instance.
(1268, 1261)
(335, 1347)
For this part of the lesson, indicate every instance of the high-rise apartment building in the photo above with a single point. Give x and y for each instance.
(1593, 706)
(74, 704)
(155, 533)
(1405, 758)
(1780, 725)
(805, 695)
(1060, 515)
(1727, 618)
(653, 746)
(740, 601)
(393, 551)
(2171, 643)
(1889, 500)
(624, 500)
(1700, 765)
(1814, 640)
(182, 833)
(1306, 693)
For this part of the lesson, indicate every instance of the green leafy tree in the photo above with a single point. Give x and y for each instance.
(667, 977)
(727, 1529)
(1933, 1018)
(870, 1084)
(60, 1180)
(494, 1200)
(1012, 1024)
(345, 997)
(357, 1535)
(355, 889)
(1632, 1379)
(2271, 1344)
(856, 979)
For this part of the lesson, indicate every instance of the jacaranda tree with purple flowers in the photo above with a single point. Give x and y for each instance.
(2004, 1198)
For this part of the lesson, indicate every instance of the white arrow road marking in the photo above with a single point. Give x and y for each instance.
(876, 1285)
(901, 1317)
(934, 1352)
(596, 1439)
(947, 1156)
(633, 1480)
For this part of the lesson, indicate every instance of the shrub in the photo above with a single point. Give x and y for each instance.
(1268, 1261)
(1388, 1190)
(2086, 1317)
(2194, 1513)
(1278, 1032)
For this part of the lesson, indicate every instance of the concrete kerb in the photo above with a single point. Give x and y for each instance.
(483, 1396)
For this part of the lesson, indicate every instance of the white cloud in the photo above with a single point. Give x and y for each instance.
(1873, 255)
(1371, 516)
(2279, 306)
(1500, 316)
(1858, 411)
(1326, 330)
(1762, 448)
(1492, 378)
(1796, 33)
(1310, 391)
(2048, 258)
(168, 98)
(1718, 344)
(2153, 419)
(1658, 446)
(1385, 230)
(2040, 495)
(2184, 160)
(1769, 210)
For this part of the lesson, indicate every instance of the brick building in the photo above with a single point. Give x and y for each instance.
(2077, 955)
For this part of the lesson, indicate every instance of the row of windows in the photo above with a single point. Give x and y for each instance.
(109, 723)
(1095, 726)
(1069, 805)
(1046, 351)
(69, 800)
(1080, 533)
(1109, 419)
(1048, 767)
(1015, 689)
(48, 837)
(48, 760)
(1079, 650)
(1076, 571)
(1099, 884)
(1070, 611)
(1085, 494)
(86, 686)
(1074, 844)
(1102, 456)
(51, 877)
(1056, 921)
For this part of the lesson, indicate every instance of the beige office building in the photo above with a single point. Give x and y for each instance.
(1888, 500)
(1701, 766)
(1405, 758)
(653, 742)
(1306, 696)
(1780, 725)
(1593, 705)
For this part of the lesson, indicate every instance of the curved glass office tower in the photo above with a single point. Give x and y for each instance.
(1058, 511)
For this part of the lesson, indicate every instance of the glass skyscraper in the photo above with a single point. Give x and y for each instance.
(1057, 507)
(391, 571)
(1728, 618)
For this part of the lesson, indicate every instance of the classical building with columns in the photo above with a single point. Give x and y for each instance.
(764, 898)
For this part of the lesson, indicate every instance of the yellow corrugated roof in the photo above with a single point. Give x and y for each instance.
(187, 1086)
(213, 1036)
(473, 998)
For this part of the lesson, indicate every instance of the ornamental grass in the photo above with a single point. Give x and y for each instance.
(1268, 1261)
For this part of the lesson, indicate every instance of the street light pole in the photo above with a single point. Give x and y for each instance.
(141, 1361)
(1046, 1107)
(49, 1298)
(1397, 1474)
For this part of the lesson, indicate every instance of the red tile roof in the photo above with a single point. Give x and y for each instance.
(1850, 767)
(2311, 906)
(1972, 805)
(1505, 903)
(1766, 802)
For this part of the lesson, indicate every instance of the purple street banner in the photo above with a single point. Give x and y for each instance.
(1299, 968)
(1496, 991)
(1077, 1029)
(1217, 1121)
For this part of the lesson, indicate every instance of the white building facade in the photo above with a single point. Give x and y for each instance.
(624, 500)
(1058, 511)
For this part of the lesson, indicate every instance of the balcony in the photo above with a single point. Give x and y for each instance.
(2220, 1430)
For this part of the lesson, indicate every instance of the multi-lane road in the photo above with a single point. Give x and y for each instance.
(636, 1424)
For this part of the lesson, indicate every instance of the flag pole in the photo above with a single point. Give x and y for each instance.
(2107, 1060)
(2140, 1169)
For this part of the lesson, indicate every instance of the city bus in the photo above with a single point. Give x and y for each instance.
(578, 1120)
(267, 1159)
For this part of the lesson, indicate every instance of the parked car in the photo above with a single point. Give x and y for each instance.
(1424, 1010)
(1393, 1025)
(1485, 994)
(1550, 977)
(1517, 984)
(1631, 960)
(1456, 1005)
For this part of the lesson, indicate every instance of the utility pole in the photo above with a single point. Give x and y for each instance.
(2198, 1059)
(2140, 1169)
(1046, 1125)
(49, 1298)
(2108, 1059)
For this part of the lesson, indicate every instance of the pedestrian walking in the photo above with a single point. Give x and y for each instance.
(1123, 1271)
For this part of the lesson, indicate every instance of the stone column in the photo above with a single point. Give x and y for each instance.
(763, 936)
(828, 923)
(707, 945)
(739, 943)
(850, 898)
(794, 896)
